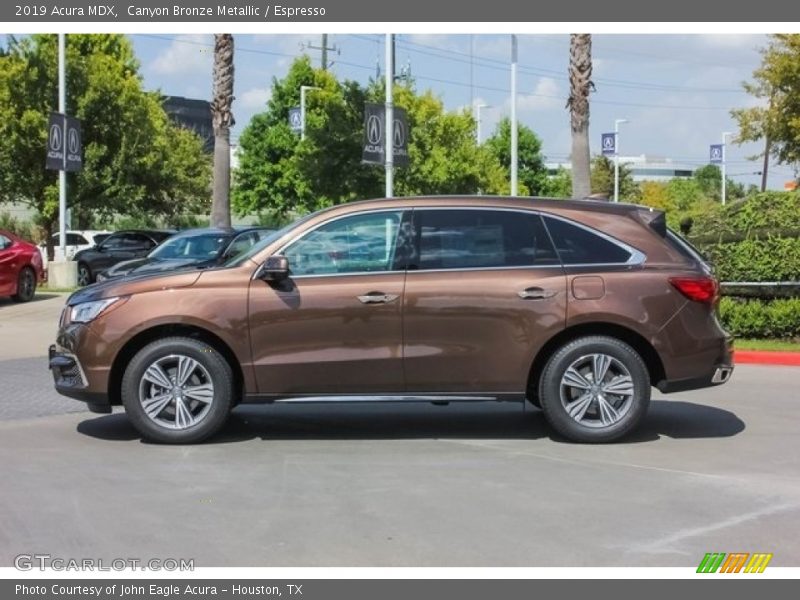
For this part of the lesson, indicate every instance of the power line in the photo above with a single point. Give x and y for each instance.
(453, 82)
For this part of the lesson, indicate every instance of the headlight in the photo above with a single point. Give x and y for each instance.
(88, 311)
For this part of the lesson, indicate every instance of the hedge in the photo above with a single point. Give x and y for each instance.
(778, 318)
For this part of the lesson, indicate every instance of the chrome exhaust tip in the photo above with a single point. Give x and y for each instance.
(722, 374)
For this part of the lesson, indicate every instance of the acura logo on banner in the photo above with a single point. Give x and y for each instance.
(609, 143)
(64, 145)
(375, 133)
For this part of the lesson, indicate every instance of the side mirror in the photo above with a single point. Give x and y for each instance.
(275, 268)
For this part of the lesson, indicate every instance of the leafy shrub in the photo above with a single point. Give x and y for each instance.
(24, 229)
(760, 319)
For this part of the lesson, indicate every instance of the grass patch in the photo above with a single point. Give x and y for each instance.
(44, 289)
(769, 345)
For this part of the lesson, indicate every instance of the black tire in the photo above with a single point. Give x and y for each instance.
(213, 367)
(589, 425)
(26, 285)
(84, 275)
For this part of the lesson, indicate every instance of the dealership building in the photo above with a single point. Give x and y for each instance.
(643, 167)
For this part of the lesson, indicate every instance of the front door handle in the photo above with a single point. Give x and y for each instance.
(377, 298)
(535, 293)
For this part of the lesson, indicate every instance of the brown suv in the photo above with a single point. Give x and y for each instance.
(577, 306)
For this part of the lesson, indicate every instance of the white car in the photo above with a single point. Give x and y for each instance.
(76, 240)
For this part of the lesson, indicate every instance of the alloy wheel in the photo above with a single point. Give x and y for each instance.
(176, 392)
(597, 390)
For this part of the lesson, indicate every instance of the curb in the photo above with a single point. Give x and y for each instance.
(760, 357)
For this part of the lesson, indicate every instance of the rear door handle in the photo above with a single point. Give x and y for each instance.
(377, 298)
(535, 293)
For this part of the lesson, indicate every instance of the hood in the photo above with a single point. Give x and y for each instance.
(134, 284)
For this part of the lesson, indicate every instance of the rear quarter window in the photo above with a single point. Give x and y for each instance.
(577, 245)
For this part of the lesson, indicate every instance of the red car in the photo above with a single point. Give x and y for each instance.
(20, 267)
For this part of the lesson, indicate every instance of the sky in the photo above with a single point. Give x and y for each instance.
(676, 91)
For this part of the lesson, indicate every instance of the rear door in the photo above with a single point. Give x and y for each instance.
(484, 291)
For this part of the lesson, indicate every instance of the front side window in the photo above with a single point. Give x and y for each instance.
(468, 239)
(354, 244)
(579, 246)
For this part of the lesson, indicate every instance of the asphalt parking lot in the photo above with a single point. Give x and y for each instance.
(480, 485)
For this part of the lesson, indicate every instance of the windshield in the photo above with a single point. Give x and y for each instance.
(264, 242)
(200, 246)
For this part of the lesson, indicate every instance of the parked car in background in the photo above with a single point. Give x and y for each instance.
(20, 267)
(77, 240)
(194, 248)
(119, 246)
(579, 307)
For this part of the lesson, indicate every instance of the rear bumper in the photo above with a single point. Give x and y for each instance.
(719, 375)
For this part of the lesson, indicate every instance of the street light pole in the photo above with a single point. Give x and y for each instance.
(303, 90)
(388, 140)
(478, 108)
(724, 159)
(62, 174)
(514, 150)
(617, 123)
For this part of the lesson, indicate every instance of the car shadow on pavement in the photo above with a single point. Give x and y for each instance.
(673, 419)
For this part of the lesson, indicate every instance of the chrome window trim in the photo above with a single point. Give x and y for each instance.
(636, 256)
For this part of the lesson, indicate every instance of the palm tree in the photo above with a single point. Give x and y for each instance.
(222, 120)
(580, 84)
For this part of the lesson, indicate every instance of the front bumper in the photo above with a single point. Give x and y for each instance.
(70, 380)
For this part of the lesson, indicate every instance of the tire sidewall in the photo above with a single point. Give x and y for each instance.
(21, 295)
(550, 383)
(221, 377)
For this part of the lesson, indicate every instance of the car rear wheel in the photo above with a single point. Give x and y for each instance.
(26, 285)
(595, 389)
(178, 390)
(84, 275)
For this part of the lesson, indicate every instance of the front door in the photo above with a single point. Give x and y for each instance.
(484, 291)
(334, 327)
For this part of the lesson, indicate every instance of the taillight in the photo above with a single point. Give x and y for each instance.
(699, 289)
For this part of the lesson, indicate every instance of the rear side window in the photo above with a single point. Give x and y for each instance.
(468, 239)
(579, 246)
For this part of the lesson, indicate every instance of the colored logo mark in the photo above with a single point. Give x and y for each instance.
(736, 562)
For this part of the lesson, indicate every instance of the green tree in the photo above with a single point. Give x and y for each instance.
(135, 160)
(531, 170)
(558, 185)
(603, 180)
(443, 155)
(279, 173)
(776, 81)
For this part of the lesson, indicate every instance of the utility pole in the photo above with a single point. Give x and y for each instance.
(394, 54)
(388, 141)
(514, 156)
(324, 49)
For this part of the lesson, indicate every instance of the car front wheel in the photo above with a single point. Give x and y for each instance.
(595, 389)
(178, 390)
